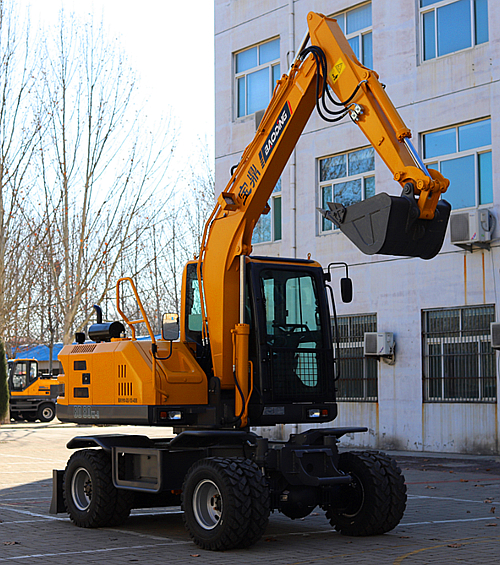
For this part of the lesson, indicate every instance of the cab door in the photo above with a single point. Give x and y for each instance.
(294, 335)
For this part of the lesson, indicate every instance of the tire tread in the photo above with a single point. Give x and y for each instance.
(234, 527)
(377, 497)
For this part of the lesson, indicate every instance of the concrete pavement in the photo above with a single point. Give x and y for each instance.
(452, 516)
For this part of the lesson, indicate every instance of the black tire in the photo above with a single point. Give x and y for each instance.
(363, 505)
(260, 503)
(30, 416)
(123, 505)
(217, 504)
(397, 504)
(46, 412)
(90, 497)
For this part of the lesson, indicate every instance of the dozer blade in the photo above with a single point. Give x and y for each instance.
(389, 225)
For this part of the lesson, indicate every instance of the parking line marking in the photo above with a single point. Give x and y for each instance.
(33, 498)
(91, 551)
(3, 523)
(34, 514)
(446, 521)
(445, 498)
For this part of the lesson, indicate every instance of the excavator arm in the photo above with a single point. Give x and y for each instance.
(413, 224)
(374, 113)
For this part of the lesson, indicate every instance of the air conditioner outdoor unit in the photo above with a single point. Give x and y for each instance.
(495, 335)
(379, 343)
(474, 226)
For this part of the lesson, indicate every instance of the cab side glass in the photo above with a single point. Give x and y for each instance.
(33, 372)
(19, 376)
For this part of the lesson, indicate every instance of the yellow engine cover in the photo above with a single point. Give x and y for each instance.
(121, 373)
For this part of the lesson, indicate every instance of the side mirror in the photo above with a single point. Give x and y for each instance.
(170, 327)
(346, 289)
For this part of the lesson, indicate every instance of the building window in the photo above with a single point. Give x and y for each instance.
(356, 24)
(256, 71)
(458, 361)
(268, 227)
(346, 179)
(463, 155)
(358, 374)
(449, 25)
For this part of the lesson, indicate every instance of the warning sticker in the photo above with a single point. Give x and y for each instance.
(337, 70)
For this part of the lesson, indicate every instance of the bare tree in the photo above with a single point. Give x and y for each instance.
(101, 168)
(200, 199)
(19, 132)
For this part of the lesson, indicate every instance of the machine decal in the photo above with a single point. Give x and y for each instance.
(245, 190)
(85, 412)
(337, 70)
(275, 134)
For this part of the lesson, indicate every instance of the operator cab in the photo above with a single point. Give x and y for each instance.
(292, 349)
(22, 374)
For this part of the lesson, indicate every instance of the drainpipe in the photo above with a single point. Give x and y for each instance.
(293, 158)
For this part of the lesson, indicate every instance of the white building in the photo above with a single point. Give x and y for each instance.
(440, 62)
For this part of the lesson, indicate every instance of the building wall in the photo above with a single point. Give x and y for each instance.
(442, 92)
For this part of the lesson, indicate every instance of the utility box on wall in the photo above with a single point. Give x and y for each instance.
(495, 335)
(471, 227)
(379, 343)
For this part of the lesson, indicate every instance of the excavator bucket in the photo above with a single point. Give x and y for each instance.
(390, 225)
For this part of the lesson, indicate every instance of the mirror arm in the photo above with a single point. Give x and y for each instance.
(337, 264)
(154, 350)
(337, 340)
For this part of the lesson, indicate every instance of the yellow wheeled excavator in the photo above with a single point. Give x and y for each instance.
(255, 345)
(32, 395)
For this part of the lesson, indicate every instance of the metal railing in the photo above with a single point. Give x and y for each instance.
(458, 361)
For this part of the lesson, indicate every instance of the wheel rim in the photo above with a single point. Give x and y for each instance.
(81, 489)
(207, 504)
(356, 497)
(47, 412)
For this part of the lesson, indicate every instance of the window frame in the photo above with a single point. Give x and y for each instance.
(431, 162)
(358, 33)
(443, 383)
(276, 223)
(434, 7)
(331, 182)
(355, 344)
(259, 67)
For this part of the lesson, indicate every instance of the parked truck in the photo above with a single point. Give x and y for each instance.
(255, 346)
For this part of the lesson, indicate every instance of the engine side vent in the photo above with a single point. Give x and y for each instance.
(125, 389)
(87, 348)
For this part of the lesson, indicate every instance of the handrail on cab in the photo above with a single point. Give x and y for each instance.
(132, 323)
